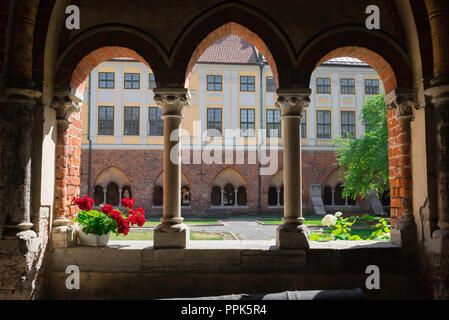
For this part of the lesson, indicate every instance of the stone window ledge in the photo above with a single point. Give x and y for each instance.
(235, 256)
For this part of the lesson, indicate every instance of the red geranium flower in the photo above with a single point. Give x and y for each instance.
(107, 209)
(128, 203)
(85, 203)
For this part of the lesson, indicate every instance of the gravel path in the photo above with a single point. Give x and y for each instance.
(243, 229)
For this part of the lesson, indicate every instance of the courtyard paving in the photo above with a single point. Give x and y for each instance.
(243, 229)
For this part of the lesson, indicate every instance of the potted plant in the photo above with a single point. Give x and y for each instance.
(94, 227)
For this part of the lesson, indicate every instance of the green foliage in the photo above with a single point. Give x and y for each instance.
(383, 231)
(341, 230)
(95, 222)
(364, 161)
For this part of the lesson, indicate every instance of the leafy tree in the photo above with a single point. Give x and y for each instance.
(364, 161)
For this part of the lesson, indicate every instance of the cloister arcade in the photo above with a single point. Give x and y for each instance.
(44, 66)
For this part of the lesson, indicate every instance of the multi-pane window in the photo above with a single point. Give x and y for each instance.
(131, 127)
(274, 123)
(151, 81)
(323, 124)
(323, 85)
(304, 124)
(155, 122)
(347, 86)
(214, 119)
(270, 84)
(248, 83)
(106, 80)
(247, 122)
(132, 81)
(214, 83)
(371, 86)
(105, 121)
(348, 123)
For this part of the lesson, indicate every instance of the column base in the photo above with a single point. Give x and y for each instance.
(171, 236)
(292, 236)
(404, 234)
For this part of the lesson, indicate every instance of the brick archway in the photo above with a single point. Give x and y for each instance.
(83, 55)
(381, 54)
(242, 32)
(379, 64)
(244, 21)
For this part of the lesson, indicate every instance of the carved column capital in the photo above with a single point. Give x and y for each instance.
(171, 100)
(65, 104)
(402, 102)
(292, 101)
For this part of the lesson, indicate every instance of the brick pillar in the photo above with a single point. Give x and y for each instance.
(292, 234)
(68, 153)
(400, 113)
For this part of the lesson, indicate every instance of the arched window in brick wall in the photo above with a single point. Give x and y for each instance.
(158, 196)
(98, 195)
(112, 194)
(272, 196)
(185, 196)
(229, 195)
(281, 196)
(327, 196)
(241, 196)
(215, 197)
(126, 192)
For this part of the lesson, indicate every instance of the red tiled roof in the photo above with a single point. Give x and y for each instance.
(229, 49)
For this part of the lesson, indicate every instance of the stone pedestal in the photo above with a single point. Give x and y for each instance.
(174, 237)
(62, 234)
(292, 236)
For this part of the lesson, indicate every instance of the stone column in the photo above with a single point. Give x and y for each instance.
(172, 232)
(440, 100)
(104, 195)
(235, 198)
(292, 234)
(222, 197)
(279, 197)
(20, 105)
(120, 196)
(401, 103)
(333, 197)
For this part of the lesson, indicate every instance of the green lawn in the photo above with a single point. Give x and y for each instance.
(149, 235)
(188, 222)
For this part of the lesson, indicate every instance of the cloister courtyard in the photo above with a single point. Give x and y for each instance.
(96, 98)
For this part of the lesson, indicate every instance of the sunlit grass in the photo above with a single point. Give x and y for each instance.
(149, 235)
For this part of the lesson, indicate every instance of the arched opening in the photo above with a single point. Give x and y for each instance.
(327, 196)
(272, 197)
(241, 196)
(185, 196)
(215, 196)
(112, 194)
(224, 183)
(126, 192)
(98, 195)
(339, 200)
(281, 196)
(158, 196)
(228, 195)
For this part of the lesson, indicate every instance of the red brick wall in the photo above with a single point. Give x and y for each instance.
(399, 142)
(143, 167)
(68, 164)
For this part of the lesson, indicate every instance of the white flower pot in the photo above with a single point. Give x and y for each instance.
(93, 240)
